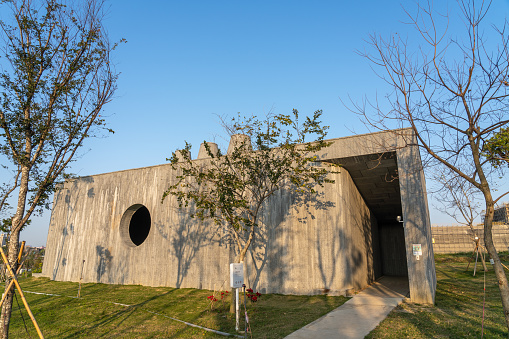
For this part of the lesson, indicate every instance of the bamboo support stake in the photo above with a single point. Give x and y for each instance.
(20, 254)
(21, 294)
(9, 287)
(4, 295)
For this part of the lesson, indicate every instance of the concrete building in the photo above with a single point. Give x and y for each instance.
(114, 228)
(500, 215)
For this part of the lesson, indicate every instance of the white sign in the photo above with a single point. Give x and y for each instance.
(417, 249)
(236, 275)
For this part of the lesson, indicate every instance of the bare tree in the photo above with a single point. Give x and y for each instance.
(460, 200)
(456, 197)
(453, 92)
(55, 77)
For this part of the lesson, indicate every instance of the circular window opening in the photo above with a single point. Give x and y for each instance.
(135, 225)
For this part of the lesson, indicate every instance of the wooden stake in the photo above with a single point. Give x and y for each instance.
(477, 250)
(81, 278)
(20, 254)
(9, 287)
(21, 293)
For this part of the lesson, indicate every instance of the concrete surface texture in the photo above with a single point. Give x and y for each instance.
(341, 240)
(359, 315)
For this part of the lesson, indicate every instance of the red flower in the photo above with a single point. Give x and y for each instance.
(254, 298)
(249, 290)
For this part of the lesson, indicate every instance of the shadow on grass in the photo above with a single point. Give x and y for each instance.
(118, 317)
(94, 316)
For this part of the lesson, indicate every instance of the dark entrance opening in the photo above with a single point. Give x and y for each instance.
(135, 225)
(392, 249)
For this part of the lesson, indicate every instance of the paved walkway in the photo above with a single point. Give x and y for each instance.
(359, 315)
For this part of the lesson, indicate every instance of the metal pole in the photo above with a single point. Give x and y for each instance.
(476, 257)
(245, 312)
(237, 309)
(81, 277)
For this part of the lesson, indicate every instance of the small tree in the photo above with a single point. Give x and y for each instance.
(460, 200)
(457, 198)
(453, 93)
(55, 78)
(231, 189)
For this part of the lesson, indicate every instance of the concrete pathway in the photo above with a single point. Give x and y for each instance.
(359, 315)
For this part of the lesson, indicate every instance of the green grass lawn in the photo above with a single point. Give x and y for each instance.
(458, 310)
(95, 316)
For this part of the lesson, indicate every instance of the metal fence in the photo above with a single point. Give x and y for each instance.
(455, 239)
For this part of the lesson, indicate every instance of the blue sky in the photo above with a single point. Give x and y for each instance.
(187, 61)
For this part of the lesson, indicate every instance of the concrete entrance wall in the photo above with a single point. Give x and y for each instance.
(412, 205)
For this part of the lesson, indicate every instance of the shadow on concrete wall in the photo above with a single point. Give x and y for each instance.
(59, 260)
(259, 255)
(269, 250)
(356, 244)
(369, 230)
(104, 263)
(266, 251)
(189, 235)
(70, 196)
(328, 268)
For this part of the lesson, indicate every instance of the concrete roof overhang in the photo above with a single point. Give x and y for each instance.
(376, 178)
(372, 161)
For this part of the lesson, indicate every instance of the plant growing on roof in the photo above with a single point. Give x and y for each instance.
(231, 188)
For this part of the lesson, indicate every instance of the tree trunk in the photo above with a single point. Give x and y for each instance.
(12, 251)
(497, 266)
(12, 256)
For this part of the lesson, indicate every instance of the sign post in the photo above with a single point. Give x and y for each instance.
(236, 281)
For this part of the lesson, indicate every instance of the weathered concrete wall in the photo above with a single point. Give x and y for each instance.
(85, 226)
(456, 239)
(329, 244)
(421, 269)
(335, 248)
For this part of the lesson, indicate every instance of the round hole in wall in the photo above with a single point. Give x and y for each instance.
(135, 225)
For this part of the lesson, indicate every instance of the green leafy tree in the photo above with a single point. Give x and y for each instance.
(496, 148)
(231, 188)
(452, 90)
(55, 78)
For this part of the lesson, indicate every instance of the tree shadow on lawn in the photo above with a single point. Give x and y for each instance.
(91, 316)
(120, 316)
